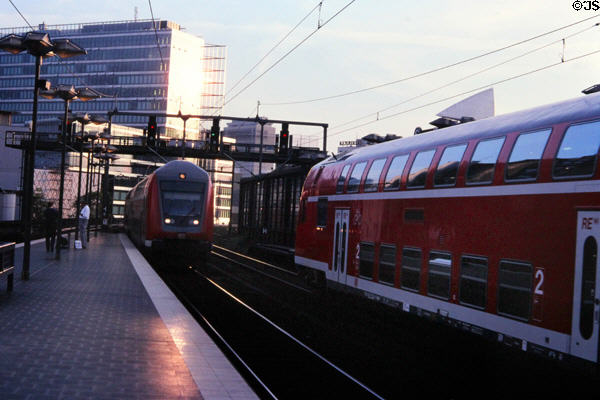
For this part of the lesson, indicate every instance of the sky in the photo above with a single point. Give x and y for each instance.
(369, 43)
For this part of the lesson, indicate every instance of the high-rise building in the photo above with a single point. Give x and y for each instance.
(143, 66)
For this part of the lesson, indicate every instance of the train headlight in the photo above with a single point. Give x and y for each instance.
(168, 220)
(195, 222)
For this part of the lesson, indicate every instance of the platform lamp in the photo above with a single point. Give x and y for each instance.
(104, 153)
(83, 137)
(39, 45)
(100, 152)
(67, 93)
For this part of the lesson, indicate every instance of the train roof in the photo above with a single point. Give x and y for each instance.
(580, 108)
(172, 169)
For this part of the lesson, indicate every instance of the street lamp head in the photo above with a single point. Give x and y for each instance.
(38, 44)
(86, 94)
(83, 118)
(12, 43)
(98, 120)
(64, 92)
(65, 48)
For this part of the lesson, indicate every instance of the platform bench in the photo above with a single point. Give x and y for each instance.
(7, 264)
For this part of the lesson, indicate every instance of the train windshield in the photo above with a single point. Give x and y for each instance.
(183, 199)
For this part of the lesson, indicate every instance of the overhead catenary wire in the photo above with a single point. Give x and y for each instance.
(288, 53)
(21, 14)
(469, 76)
(466, 92)
(156, 34)
(431, 71)
(273, 48)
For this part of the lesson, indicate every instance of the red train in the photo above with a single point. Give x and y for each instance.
(491, 225)
(171, 210)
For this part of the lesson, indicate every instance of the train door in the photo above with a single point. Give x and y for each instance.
(585, 327)
(339, 260)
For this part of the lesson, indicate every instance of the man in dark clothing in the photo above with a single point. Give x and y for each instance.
(50, 220)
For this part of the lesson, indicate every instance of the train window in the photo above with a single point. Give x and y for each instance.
(514, 289)
(473, 281)
(387, 263)
(418, 171)
(447, 169)
(367, 258)
(322, 212)
(578, 151)
(414, 215)
(483, 163)
(342, 179)
(182, 200)
(355, 177)
(394, 173)
(411, 269)
(440, 267)
(524, 160)
(372, 179)
(317, 176)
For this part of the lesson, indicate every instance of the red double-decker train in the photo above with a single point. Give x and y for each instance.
(171, 211)
(491, 225)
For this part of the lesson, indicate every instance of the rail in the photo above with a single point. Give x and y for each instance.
(7, 263)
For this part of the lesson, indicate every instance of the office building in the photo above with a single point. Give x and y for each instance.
(143, 66)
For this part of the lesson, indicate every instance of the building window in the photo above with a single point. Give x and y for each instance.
(411, 269)
(440, 268)
(473, 281)
(372, 179)
(578, 151)
(322, 212)
(342, 179)
(355, 177)
(418, 171)
(524, 160)
(394, 173)
(514, 289)
(483, 163)
(367, 258)
(447, 169)
(387, 263)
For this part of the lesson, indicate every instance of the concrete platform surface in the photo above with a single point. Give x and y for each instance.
(100, 324)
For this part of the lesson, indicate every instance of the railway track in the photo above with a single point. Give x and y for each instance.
(289, 277)
(391, 352)
(276, 363)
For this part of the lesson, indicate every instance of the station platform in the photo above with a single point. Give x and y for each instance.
(100, 324)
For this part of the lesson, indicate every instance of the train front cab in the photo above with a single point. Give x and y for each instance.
(180, 215)
(419, 268)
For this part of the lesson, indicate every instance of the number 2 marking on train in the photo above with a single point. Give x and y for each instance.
(539, 274)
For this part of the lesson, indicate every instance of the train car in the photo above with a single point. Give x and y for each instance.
(171, 211)
(491, 225)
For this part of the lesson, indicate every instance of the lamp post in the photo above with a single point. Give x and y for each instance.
(83, 138)
(106, 155)
(67, 94)
(39, 45)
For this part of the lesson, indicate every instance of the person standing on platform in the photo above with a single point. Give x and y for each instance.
(84, 217)
(51, 224)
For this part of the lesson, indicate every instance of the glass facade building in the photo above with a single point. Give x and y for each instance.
(142, 66)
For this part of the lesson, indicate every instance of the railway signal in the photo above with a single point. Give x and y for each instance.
(284, 138)
(151, 130)
(214, 135)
